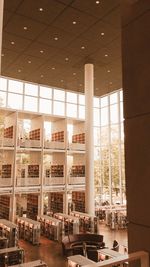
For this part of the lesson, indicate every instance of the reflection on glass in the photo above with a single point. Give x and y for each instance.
(71, 97)
(45, 92)
(96, 102)
(31, 89)
(82, 99)
(104, 101)
(3, 84)
(81, 112)
(114, 98)
(59, 108)
(96, 136)
(30, 103)
(45, 106)
(15, 101)
(59, 95)
(15, 86)
(104, 116)
(96, 117)
(71, 110)
(2, 99)
(114, 113)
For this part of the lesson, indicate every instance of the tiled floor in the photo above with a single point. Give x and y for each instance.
(51, 253)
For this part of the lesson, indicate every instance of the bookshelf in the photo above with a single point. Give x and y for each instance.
(76, 168)
(4, 207)
(78, 198)
(56, 202)
(32, 206)
(7, 128)
(76, 135)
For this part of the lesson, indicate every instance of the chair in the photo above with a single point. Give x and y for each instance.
(115, 246)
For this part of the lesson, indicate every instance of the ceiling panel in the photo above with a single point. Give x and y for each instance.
(114, 18)
(8, 57)
(98, 10)
(70, 15)
(55, 37)
(24, 27)
(51, 9)
(19, 44)
(11, 5)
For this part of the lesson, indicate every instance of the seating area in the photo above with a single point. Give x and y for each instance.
(81, 244)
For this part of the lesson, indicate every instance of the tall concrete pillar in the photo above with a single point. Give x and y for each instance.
(136, 90)
(89, 92)
(1, 27)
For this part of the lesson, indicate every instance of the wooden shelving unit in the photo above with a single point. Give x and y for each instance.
(4, 207)
(56, 202)
(32, 206)
(78, 198)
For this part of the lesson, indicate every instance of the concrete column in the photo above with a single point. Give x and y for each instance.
(1, 28)
(136, 89)
(89, 144)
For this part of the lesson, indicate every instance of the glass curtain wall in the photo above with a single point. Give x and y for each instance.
(108, 127)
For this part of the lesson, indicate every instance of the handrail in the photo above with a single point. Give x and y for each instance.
(139, 255)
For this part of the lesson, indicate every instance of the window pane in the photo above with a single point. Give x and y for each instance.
(96, 136)
(114, 133)
(3, 84)
(71, 97)
(121, 111)
(114, 113)
(82, 112)
(31, 89)
(2, 99)
(59, 95)
(45, 92)
(96, 117)
(82, 99)
(104, 116)
(104, 101)
(30, 103)
(121, 95)
(104, 136)
(113, 98)
(45, 106)
(72, 110)
(15, 101)
(15, 86)
(96, 102)
(59, 108)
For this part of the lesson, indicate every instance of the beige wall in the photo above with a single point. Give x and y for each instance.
(136, 86)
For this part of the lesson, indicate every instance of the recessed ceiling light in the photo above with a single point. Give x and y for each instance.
(29, 61)
(25, 28)
(61, 81)
(74, 73)
(97, 2)
(66, 58)
(42, 75)
(56, 38)
(96, 89)
(41, 51)
(74, 22)
(12, 42)
(80, 84)
(40, 9)
(110, 83)
(82, 47)
(19, 70)
(108, 70)
(53, 68)
(106, 55)
(2, 55)
(102, 33)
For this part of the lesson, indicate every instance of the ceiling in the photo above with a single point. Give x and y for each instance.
(49, 41)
